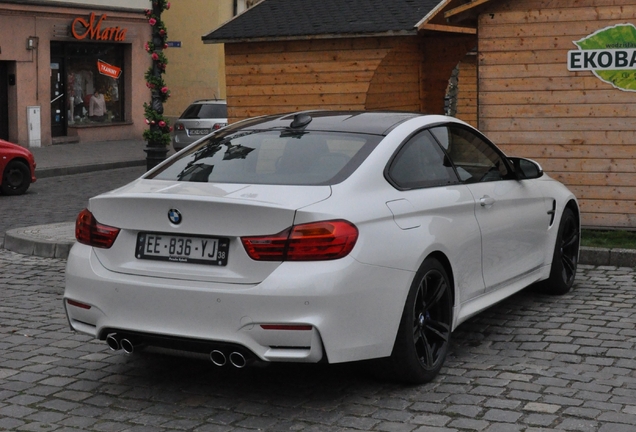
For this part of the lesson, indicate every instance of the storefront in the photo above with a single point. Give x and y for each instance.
(73, 74)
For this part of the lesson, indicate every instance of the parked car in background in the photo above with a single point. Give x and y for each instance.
(320, 236)
(17, 166)
(198, 120)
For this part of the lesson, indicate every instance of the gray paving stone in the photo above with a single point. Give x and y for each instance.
(495, 371)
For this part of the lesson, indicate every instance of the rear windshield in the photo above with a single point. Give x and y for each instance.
(205, 111)
(271, 157)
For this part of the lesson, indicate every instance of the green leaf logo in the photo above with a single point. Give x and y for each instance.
(618, 37)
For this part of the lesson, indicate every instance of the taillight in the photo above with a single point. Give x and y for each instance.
(314, 241)
(179, 127)
(218, 125)
(90, 232)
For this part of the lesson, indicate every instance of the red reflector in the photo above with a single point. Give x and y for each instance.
(90, 232)
(78, 304)
(314, 241)
(285, 327)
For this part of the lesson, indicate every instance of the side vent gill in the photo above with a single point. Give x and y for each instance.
(552, 212)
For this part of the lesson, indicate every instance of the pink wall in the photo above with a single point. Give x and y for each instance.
(32, 68)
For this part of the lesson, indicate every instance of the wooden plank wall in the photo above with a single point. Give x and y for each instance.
(396, 82)
(467, 90)
(441, 52)
(275, 77)
(582, 130)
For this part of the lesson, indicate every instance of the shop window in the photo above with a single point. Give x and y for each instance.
(95, 83)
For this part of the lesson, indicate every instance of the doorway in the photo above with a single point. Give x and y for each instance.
(4, 101)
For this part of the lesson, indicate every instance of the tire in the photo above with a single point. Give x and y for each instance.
(425, 328)
(565, 257)
(16, 178)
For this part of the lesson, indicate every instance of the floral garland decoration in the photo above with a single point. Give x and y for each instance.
(159, 130)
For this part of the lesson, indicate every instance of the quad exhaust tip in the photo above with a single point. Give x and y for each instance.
(237, 359)
(116, 342)
(113, 342)
(218, 358)
(127, 345)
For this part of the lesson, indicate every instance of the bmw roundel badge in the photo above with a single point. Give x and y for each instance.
(175, 216)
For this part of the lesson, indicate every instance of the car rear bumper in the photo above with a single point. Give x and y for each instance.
(351, 309)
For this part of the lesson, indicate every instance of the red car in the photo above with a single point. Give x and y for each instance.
(17, 166)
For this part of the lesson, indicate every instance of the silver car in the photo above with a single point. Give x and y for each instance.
(198, 120)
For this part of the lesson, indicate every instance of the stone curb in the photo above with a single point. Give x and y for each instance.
(608, 257)
(56, 240)
(82, 169)
(49, 241)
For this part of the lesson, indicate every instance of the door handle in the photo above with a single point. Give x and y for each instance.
(486, 201)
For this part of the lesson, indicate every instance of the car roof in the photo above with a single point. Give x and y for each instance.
(209, 101)
(370, 122)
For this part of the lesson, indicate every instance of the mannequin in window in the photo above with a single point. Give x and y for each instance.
(97, 107)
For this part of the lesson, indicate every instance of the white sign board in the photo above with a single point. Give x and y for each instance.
(610, 54)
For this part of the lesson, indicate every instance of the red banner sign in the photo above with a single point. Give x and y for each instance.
(92, 29)
(108, 70)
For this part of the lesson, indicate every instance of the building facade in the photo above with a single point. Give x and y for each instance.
(72, 71)
(196, 71)
(551, 80)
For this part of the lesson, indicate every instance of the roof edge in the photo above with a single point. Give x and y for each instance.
(400, 33)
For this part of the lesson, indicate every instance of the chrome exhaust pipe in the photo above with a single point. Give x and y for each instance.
(218, 358)
(238, 360)
(127, 345)
(112, 340)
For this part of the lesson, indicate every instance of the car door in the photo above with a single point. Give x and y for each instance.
(436, 209)
(511, 213)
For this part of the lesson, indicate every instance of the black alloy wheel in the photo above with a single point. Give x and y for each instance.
(566, 256)
(425, 330)
(16, 178)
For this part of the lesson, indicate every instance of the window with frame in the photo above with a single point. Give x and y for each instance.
(421, 163)
(475, 159)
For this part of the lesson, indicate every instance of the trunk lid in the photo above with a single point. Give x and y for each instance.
(208, 210)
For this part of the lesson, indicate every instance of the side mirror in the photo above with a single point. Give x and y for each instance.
(526, 169)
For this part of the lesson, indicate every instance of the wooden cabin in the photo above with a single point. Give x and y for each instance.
(516, 65)
(286, 55)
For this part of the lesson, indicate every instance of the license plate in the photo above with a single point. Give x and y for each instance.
(182, 249)
(198, 131)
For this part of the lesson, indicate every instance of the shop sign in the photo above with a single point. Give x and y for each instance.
(108, 70)
(610, 53)
(92, 29)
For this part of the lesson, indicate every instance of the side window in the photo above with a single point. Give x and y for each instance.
(420, 163)
(476, 160)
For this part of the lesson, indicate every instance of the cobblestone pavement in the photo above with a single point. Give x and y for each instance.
(532, 363)
(59, 199)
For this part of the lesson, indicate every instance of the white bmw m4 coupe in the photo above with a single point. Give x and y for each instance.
(320, 237)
